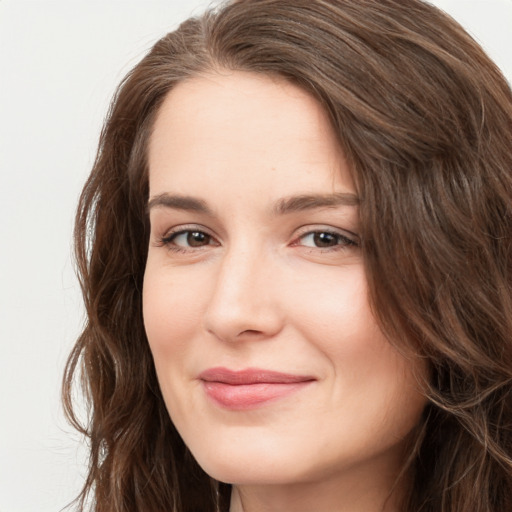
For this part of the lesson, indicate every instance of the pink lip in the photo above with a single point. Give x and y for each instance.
(249, 388)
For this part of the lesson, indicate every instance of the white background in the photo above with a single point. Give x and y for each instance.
(60, 62)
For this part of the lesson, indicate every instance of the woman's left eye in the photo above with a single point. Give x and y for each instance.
(326, 240)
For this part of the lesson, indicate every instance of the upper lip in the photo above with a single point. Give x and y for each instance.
(250, 376)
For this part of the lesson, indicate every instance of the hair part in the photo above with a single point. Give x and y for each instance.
(425, 120)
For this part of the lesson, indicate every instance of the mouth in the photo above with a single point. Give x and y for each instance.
(250, 388)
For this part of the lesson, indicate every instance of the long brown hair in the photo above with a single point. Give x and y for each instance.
(425, 119)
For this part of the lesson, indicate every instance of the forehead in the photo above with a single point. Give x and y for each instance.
(248, 123)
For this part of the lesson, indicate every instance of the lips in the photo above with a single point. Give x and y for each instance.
(250, 388)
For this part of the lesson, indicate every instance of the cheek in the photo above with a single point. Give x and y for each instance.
(369, 373)
(171, 309)
(171, 314)
(332, 307)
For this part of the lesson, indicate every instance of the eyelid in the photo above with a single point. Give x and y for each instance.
(322, 228)
(186, 227)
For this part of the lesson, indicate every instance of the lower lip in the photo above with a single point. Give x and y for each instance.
(250, 396)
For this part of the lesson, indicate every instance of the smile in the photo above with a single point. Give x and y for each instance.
(249, 388)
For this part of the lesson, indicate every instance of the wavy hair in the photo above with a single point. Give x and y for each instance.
(425, 119)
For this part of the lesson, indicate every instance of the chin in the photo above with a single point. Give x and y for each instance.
(251, 467)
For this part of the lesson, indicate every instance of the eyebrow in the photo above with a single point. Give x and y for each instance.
(283, 206)
(179, 202)
(312, 201)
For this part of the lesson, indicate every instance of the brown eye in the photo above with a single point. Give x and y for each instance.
(325, 239)
(188, 239)
(197, 238)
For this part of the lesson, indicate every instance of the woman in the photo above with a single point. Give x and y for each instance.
(295, 253)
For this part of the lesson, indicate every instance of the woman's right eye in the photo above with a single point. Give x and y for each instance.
(187, 239)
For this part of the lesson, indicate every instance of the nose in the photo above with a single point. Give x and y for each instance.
(244, 302)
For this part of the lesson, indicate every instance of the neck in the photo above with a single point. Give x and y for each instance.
(357, 490)
(301, 499)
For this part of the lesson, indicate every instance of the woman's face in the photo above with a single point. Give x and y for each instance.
(270, 362)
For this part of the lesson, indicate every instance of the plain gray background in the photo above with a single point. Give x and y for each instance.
(60, 62)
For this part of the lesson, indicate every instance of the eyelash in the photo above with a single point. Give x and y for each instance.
(168, 239)
(343, 241)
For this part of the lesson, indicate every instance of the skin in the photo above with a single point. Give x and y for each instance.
(262, 287)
